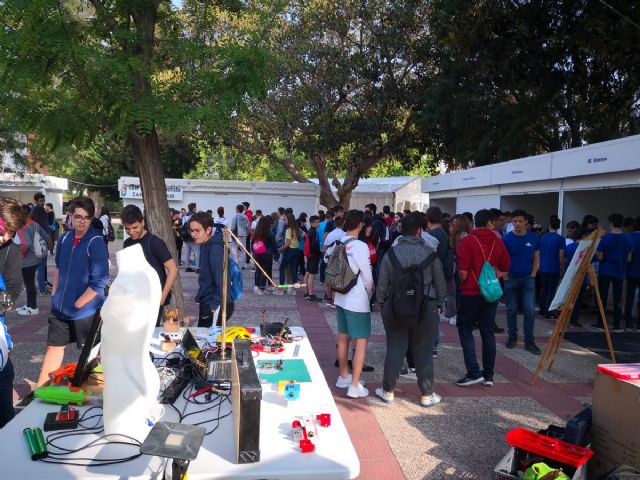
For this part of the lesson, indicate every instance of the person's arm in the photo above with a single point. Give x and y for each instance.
(563, 259)
(439, 282)
(172, 273)
(362, 258)
(56, 281)
(464, 261)
(384, 280)
(98, 271)
(536, 263)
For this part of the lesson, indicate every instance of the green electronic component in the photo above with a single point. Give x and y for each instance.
(42, 445)
(32, 444)
(62, 395)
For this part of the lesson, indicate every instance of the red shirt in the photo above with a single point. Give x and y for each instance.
(388, 220)
(473, 249)
(249, 215)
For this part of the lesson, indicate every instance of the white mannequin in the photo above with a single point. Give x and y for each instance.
(131, 383)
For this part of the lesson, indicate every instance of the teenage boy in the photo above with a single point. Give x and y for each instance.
(480, 245)
(633, 276)
(210, 280)
(154, 249)
(240, 227)
(388, 216)
(353, 310)
(520, 284)
(192, 247)
(411, 250)
(12, 218)
(614, 251)
(313, 260)
(552, 263)
(82, 271)
(336, 234)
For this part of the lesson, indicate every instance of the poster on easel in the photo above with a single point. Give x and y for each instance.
(572, 269)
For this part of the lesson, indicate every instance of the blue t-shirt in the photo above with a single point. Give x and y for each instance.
(521, 250)
(320, 229)
(615, 248)
(550, 245)
(633, 269)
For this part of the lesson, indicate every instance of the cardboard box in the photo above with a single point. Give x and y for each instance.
(616, 424)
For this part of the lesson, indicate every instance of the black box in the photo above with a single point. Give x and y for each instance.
(246, 395)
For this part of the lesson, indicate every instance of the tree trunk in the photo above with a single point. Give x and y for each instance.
(146, 152)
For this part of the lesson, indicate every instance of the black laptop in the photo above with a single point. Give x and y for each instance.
(209, 365)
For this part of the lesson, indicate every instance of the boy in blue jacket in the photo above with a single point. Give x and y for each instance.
(211, 269)
(82, 272)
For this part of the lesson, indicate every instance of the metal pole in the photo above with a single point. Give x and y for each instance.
(225, 282)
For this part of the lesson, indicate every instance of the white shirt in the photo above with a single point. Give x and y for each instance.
(430, 240)
(357, 299)
(221, 220)
(335, 234)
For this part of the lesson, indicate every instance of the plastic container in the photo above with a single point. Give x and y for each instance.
(548, 447)
(623, 371)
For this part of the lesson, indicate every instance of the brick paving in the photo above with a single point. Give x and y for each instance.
(402, 440)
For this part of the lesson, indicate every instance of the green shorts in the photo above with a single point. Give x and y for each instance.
(354, 324)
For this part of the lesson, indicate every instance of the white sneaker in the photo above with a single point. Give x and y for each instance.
(27, 311)
(409, 373)
(357, 391)
(453, 320)
(290, 291)
(256, 289)
(443, 318)
(345, 382)
(386, 397)
(430, 400)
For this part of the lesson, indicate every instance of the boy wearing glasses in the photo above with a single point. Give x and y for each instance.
(82, 271)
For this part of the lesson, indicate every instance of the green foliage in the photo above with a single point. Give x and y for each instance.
(521, 78)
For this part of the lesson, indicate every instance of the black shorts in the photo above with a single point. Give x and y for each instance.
(313, 263)
(63, 332)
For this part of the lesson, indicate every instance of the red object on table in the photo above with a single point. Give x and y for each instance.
(548, 447)
(324, 419)
(623, 371)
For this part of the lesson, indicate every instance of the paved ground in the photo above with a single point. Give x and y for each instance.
(463, 437)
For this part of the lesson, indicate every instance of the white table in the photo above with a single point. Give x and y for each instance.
(280, 458)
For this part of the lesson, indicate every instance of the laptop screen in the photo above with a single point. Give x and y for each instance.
(190, 345)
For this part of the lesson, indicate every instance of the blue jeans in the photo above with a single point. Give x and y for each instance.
(521, 290)
(471, 310)
(289, 260)
(6, 394)
(41, 274)
(549, 284)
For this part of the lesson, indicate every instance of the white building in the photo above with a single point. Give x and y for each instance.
(599, 179)
(23, 186)
(211, 194)
(400, 193)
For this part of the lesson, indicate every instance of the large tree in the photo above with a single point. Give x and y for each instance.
(521, 78)
(71, 71)
(344, 91)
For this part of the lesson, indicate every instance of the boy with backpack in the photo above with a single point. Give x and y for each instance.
(412, 290)
(312, 254)
(482, 260)
(349, 275)
(210, 280)
(33, 242)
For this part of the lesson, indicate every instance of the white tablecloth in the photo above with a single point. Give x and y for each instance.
(280, 458)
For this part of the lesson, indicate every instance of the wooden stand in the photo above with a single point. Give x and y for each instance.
(566, 309)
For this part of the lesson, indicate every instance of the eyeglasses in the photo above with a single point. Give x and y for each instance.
(82, 218)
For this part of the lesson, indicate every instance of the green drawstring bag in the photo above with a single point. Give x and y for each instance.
(488, 282)
(542, 471)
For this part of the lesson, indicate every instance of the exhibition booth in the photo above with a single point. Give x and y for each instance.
(599, 179)
(23, 186)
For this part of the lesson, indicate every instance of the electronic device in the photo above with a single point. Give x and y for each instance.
(173, 391)
(66, 419)
(89, 353)
(246, 395)
(213, 366)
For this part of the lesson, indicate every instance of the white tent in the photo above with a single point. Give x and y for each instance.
(599, 179)
(23, 186)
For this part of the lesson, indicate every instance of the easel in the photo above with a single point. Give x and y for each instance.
(566, 309)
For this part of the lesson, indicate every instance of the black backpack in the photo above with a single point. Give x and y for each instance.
(407, 299)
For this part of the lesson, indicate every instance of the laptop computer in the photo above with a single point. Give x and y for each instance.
(209, 364)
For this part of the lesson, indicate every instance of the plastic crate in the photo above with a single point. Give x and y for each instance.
(547, 447)
(508, 466)
(623, 371)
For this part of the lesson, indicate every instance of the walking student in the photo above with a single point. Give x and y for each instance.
(191, 246)
(290, 251)
(155, 252)
(82, 271)
(210, 280)
(240, 228)
(520, 284)
(480, 245)
(353, 310)
(552, 263)
(33, 242)
(263, 246)
(312, 253)
(416, 328)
